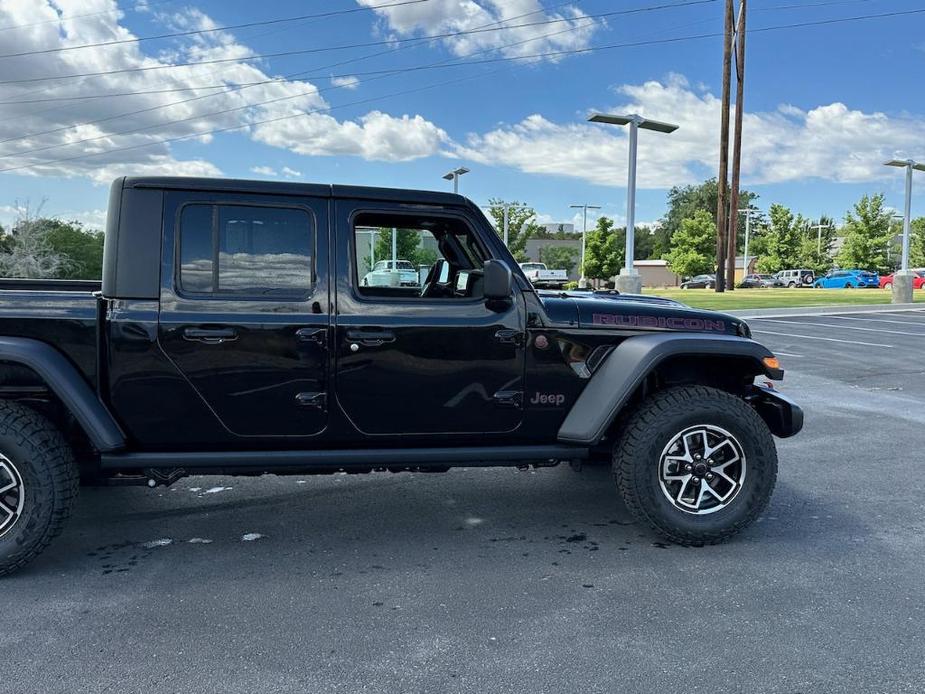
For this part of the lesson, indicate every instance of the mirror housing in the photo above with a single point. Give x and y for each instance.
(498, 280)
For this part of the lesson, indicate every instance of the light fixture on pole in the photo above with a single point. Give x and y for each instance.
(506, 208)
(902, 280)
(454, 176)
(748, 219)
(629, 281)
(583, 282)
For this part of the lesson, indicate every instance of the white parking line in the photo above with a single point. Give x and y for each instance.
(787, 354)
(826, 339)
(881, 320)
(843, 327)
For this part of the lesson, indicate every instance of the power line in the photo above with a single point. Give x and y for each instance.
(197, 32)
(492, 60)
(365, 44)
(251, 124)
(380, 74)
(72, 17)
(242, 87)
(408, 43)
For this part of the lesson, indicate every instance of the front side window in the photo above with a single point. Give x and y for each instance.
(245, 250)
(414, 257)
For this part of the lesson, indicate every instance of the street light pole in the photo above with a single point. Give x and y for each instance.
(583, 281)
(629, 281)
(902, 280)
(454, 176)
(819, 228)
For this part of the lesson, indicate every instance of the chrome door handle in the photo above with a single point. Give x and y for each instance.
(370, 338)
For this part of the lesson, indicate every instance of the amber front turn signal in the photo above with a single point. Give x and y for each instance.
(771, 362)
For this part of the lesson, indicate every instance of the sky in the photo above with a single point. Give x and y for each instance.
(397, 92)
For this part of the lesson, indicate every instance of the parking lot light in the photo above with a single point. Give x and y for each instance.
(902, 280)
(628, 280)
(454, 176)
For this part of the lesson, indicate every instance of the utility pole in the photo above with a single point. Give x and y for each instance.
(722, 181)
(454, 176)
(736, 145)
(583, 281)
(506, 208)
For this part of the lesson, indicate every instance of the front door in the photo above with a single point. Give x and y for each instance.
(244, 311)
(418, 350)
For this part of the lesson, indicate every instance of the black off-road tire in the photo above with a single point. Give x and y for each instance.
(45, 464)
(637, 454)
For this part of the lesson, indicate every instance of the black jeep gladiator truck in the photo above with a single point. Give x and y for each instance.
(231, 334)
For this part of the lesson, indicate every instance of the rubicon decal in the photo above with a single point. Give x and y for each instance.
(669, 322)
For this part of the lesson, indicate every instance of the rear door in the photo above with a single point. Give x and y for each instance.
(244, 311)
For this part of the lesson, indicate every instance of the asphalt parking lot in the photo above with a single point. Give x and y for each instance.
(508, 581)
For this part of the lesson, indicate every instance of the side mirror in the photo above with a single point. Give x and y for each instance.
(498, 280)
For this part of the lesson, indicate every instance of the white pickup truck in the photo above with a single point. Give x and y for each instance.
(540, 276)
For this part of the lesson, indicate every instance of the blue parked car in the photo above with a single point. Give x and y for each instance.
(847, 279)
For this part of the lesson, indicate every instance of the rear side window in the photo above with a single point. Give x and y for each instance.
(246, 251)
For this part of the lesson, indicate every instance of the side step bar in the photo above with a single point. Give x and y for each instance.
(416, 457)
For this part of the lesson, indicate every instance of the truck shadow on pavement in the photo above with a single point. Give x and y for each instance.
(556, 515)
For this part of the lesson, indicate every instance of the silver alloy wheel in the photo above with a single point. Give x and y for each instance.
(12, 495)
(702, 469)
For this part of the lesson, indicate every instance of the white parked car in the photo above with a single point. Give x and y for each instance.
(541, 276)
(392, 273)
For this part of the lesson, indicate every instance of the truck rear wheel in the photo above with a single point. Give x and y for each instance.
(696, 464)
(38, 485)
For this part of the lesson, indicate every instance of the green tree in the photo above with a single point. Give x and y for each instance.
(917, 243)
(685, 201)
(407, 247)
(867, 235)
(84, 248)
(780, 242)
(519, 226)
(559, 257)
(28, 252)
(693, 245)
(603, 252)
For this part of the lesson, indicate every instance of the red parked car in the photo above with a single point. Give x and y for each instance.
(886, 281)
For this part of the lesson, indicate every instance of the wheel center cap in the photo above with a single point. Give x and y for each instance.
(700, 469)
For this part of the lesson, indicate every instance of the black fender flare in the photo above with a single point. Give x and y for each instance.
(631, 361)
(65, 381)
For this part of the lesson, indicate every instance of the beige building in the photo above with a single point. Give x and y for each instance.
(656, 273)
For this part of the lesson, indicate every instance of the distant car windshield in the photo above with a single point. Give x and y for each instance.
(533, 266)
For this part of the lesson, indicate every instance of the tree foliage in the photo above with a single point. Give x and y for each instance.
(559, 257)
(780, 244)
(520, 228)
(685, 201)
(407, 247)
(28, 252)
(693, 245)
(603, 252)
(867, 233)
(917, 243)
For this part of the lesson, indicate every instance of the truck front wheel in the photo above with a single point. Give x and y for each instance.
(695, 464)
(38, 485)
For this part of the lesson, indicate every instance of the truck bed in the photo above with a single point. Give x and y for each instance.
(62, 313)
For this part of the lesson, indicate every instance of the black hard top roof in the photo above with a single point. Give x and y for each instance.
(233, 185)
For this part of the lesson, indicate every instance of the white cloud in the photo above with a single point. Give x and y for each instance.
(264, 171)
(376, 136)
(131, 144)
(831, 142)
(346, 82)
(291, 173)
(451, 16)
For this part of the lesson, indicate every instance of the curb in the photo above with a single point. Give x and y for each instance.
(822, 310)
